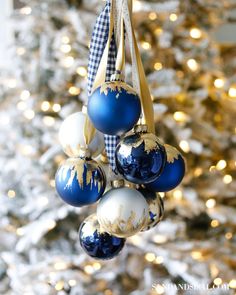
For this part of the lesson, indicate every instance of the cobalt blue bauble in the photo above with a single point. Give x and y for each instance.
(80, 182)
(155, 205)
(97, 243)
(140, 157)
(172, 174)
(114, 108)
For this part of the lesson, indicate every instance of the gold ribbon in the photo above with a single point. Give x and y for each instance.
(138, 69)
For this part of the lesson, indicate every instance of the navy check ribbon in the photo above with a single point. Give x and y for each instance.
(97, 46)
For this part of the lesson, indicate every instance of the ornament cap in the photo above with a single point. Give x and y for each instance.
(118, 183)
(117, 76)
(142, 128)
(84, 153)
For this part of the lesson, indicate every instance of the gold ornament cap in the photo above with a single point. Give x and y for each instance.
(117, 76)
(118, 183)
(84, 153)
(141, 128)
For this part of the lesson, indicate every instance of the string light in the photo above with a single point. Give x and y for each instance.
(221, 165)
(108, 292)
(74, 90)
(11, 194)
(81, 71)
(195, 33)
(25, 94)
(146, 45)
(59, 286)
(48, 121)
(218, 281)
(65, 48)
(152, 16)
(197, 255)
(160, 239)
(43, 201)
(68, 61)
(72, 283)
(184, 145)
(215, 223)
(29, 114)
(21, 105)
(227, 179)
(197, 172)
(159, 260)
(228, 235)
(232, 284)
(137, 5)
(159, 289)
(65, 39)
(89, 269)
(173, 17)
(212, 168)
(177, 194)
(150, 257)
(219, 83)
(192, 64)
(232, 92)
(162, 195)
(26, 10)
(210, 203)
(45, 106)
(20, 231)
(20, 50)
(97, 266)
(60, 265)
(180, 117)
(56, 107)
(158, 66)
(158, 31)
(11, 83)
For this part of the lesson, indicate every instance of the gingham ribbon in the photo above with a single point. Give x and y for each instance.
(97, 46)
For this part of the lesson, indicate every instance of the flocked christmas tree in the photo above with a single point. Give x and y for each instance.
(194, 99)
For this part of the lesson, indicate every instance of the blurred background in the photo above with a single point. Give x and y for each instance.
(189, 53)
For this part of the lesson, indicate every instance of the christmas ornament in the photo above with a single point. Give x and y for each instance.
(71, 136)
(172, 174)
(97, 243)
(122, 211)
(114, 108)
(80, 181)
(156, 208)
(140, 157)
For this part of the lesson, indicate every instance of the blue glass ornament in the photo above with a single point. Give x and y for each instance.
(114, 108)
(80, 181)
(97, 243)
(155, 205)
(172, 174)
(140, 157)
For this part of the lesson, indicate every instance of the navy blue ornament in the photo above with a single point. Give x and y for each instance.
(155, 205)
(114, 108)
(80, 181)
(172, 174)
(140, 157)
(97, 243)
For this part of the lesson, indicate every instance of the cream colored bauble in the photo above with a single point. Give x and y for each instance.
(122, 212)
(72, 138)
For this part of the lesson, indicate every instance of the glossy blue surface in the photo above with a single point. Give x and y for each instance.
(138, 164)
(114, 113)
(99, 245)
(171, 176)
(76, 194)
(156, 207)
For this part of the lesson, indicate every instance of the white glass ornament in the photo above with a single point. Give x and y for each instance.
(122, 212)
(71, 136)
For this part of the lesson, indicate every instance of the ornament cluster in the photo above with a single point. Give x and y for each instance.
(146, 166)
